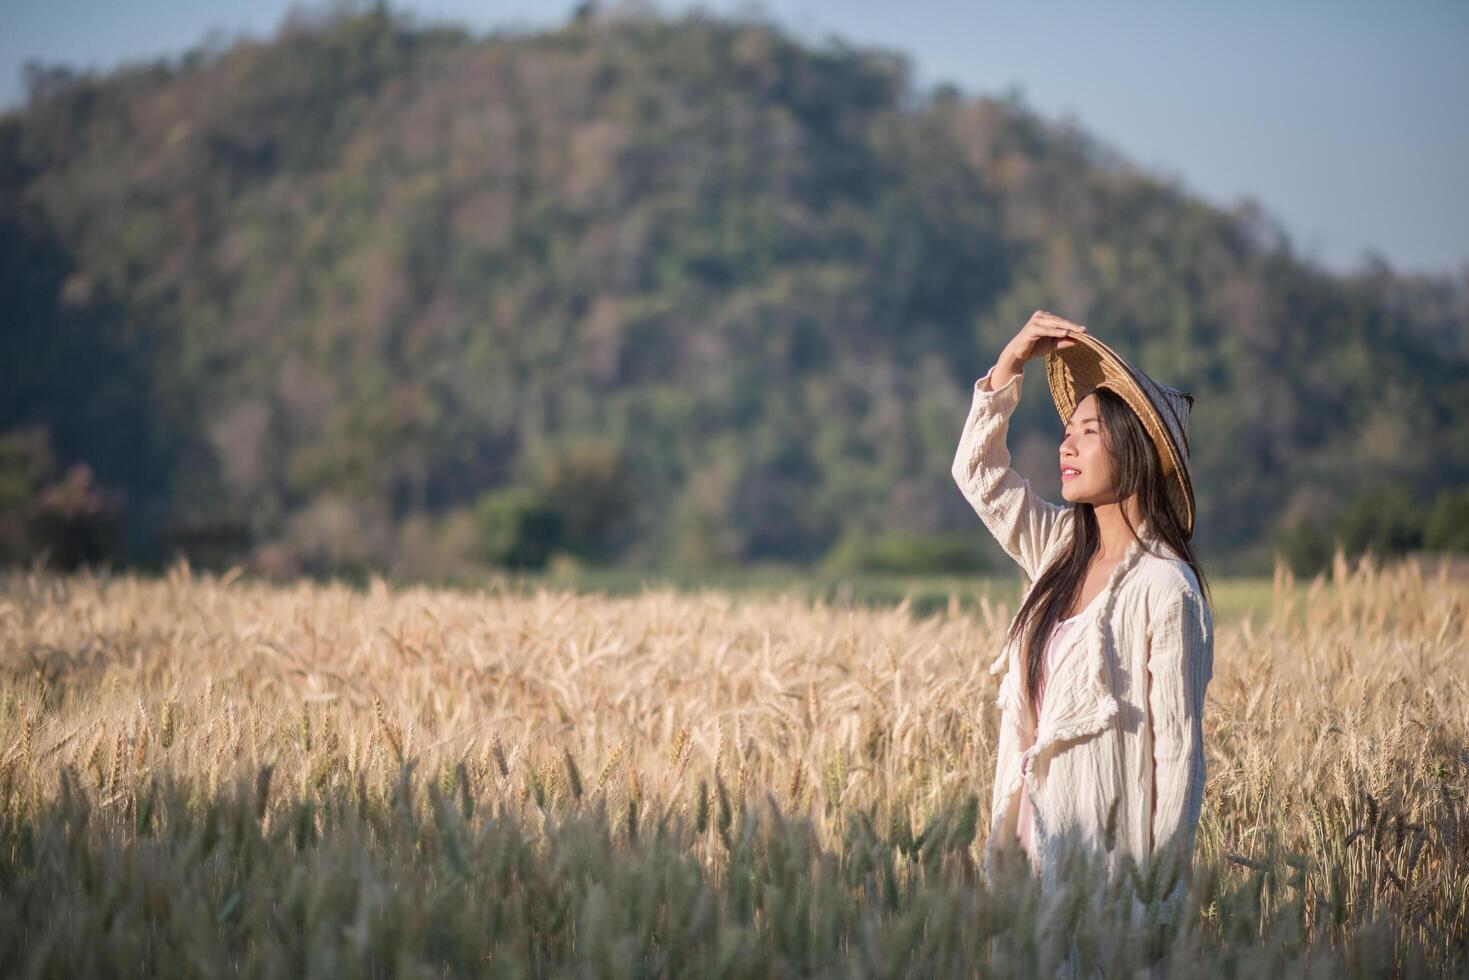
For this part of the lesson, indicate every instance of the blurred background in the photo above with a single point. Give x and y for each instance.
(612, 291)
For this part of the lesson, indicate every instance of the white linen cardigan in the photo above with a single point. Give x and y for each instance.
(1122, 717)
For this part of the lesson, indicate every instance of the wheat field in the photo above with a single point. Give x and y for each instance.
(209, 775)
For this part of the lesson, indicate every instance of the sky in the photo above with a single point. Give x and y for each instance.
(1347, 121)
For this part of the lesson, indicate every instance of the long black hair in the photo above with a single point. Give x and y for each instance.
(1136, 469)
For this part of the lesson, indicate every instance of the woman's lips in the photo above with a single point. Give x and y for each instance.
(1069, 473)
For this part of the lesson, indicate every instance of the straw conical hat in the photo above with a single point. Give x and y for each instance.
(1073, 371)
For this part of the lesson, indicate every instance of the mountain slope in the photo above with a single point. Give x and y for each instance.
(343, 283)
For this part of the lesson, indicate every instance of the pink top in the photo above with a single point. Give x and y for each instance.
(1025, 826)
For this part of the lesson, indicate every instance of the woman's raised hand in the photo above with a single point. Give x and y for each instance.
(1042, 334)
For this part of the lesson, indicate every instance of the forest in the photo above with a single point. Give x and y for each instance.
(661, 292)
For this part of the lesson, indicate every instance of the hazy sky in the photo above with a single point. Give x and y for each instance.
(1347, 120)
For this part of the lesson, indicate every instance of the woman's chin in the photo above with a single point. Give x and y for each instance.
(1072, 495)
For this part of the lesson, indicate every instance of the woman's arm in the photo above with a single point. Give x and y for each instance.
(1007, 760)
(1019, 518)
(1007, 767)
(1180, 665)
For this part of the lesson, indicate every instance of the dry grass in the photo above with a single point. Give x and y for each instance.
(212, 775)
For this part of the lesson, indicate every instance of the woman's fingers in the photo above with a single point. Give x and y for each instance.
(1060, 321)
(1046, 333)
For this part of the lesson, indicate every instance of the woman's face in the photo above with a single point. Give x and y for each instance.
(1086, 467)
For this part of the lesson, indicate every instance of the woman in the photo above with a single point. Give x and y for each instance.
(1108, 657)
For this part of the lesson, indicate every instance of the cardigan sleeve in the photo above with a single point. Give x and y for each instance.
(1020, 519)
(1006, 759)
(1180, 665)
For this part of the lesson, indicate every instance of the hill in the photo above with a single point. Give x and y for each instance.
(690, 291)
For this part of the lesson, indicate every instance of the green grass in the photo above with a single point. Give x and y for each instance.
(427, 876)
(926, 594)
